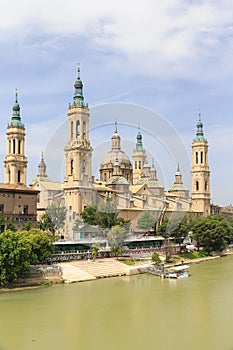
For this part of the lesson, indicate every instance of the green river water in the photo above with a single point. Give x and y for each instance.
(138, 312)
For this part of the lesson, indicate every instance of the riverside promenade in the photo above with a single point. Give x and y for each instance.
(78, 271)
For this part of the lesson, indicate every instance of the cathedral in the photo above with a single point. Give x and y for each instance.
(131, 184)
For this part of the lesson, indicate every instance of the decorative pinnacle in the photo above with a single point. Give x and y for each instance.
(199, 114)
(16, 95)
(79, 70)
(115, 125)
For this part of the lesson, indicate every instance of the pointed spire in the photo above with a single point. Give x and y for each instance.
(199, 132)
(139, 146)
(116, 126)
(15, 119)
(178, 176)
(116, 140)
(42, 167)
(78, 93)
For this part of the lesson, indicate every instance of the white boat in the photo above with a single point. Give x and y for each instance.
(178, 272)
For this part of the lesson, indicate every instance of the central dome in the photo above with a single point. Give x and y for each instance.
(116, 161)
(111, 157)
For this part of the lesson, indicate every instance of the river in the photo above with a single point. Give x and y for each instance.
(138, 312)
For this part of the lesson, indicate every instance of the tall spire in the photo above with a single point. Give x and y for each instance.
(178, 176)
(199, 132)
(15, 119)
(42, 167)
(78, 93)
(116, 140)
(139, 146)
(115, 126)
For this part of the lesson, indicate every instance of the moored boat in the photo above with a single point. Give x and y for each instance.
(178, 272)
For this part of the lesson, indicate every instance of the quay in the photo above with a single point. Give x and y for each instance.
(86, 270)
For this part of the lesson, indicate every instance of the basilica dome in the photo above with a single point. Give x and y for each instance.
(116, 161)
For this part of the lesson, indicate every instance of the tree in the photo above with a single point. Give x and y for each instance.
(41, 246)
(57, 213)
(155, 258)
(27, 226)
(45, 223)
(212, 232)
(1, 221)
(15, 255)
(89, 214)
(10, 225)
(116, 251)
(116, 236)
(94, 251)
(105, 215)
(146, 221)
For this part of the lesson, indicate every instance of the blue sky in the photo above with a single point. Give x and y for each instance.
(173, 57)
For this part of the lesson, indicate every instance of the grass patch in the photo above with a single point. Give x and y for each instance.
(46, 283)
(131, 262)
(194, 255)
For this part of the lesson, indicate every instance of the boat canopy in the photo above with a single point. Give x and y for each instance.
(180, 268)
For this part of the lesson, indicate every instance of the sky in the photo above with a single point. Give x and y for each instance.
(169, 59)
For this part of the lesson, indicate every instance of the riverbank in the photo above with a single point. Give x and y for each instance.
(87, 270)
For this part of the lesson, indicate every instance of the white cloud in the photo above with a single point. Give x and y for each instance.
(170, 38)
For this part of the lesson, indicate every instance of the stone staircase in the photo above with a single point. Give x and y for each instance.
(77, 271)
(102, 268)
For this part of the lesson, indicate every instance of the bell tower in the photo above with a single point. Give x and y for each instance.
(200, 172)
(78, 151)
(15, 163)
(139, 157)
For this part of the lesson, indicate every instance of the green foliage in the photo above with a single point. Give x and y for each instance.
(155, 258)
(57, 214)
(212, 233)
(20, 249)
(162, 228)
(94, 250)
(105, 215)
(116, 251)
(76, 225)
(146, 221)
(89, 214)
(41, 246)
(27, 226)
(2, 220)
(15, 254)
(10, 225)
(117, 235)
(194, 255)
(45, 223)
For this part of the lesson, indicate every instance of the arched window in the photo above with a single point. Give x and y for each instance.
(135, 165)
(139, 165)
(9, 150)
(71, 130)
(84, 166)
(71, 167)
(19, 146)
(14, 146)
(197, 185)
(196, 157)
(84, 130)
(201, 157)
(77, 129)
(19, 176)
(206, 185)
